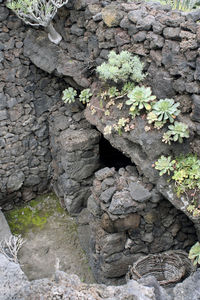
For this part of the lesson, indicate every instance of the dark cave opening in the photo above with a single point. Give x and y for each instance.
(111, 157)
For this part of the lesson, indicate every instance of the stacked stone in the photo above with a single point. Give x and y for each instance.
(131, 219)
(26, 94)
(75, 155)
(167, 41)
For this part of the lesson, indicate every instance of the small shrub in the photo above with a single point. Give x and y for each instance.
(121, 67)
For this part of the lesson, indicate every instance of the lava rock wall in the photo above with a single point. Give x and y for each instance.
(34, 72)
(129, 219)
(26, 95)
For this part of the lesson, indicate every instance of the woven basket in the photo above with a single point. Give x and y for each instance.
(168, 267)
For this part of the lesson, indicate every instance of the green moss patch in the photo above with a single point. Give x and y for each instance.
(34, 214)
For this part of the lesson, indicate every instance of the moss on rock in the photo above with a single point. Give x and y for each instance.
(33, 214)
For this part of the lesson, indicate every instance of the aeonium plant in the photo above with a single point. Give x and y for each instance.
(139, 98)
(164, 110)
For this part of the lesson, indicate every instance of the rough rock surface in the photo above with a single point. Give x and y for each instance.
(15, 286)
(4, 228)
(12, 279)
(166, 41)
(123, 227)
(189, 288)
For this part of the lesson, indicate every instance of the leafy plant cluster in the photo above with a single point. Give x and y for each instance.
(184, 5)
(194, 254)
(186, 175)
(69, 95)
(126, 68)
(121, 67)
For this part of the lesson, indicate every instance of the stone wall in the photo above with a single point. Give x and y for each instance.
(168, 44)
(26, 95)
(75, 155)
(30, 105)
(128, 219)
(166, 41)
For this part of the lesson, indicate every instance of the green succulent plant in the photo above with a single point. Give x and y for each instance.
(139, 98)
(194, 254)
(186, 172)
(165, 165)
(151, 117)
(176, 132)
(113, 92)
(184, 5)
(127, 87)
(85, 96)
(121, 67)
(166, 109)
(69, 95)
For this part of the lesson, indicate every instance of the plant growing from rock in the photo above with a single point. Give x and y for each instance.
(164, 110)
(165, 165)
(85, 96)
(187, 173)
(113, 92)
(176, 132)
(139, 98)
(38, 12)
(185, 5)
(121, 124)
(186, 176)
(69, 95)
(194, 254)
(127, 87)
(121, 68)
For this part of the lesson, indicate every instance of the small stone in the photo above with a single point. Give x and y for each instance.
(132, 221)
(147, 237)
(93, 207)
(139, 37)
(3, 115)
(113, 243)
(107, 223)
(138, 192)
(104, 173)
(122, 203)
(145, 23)
(15, 181)
(172, 33)
(76, 30)
(151, 217)
(112, 16)
(107, 194)
(97, 17)
(167, 221)
(135, 15)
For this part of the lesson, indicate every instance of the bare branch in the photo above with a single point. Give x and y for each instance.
(10, 247)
